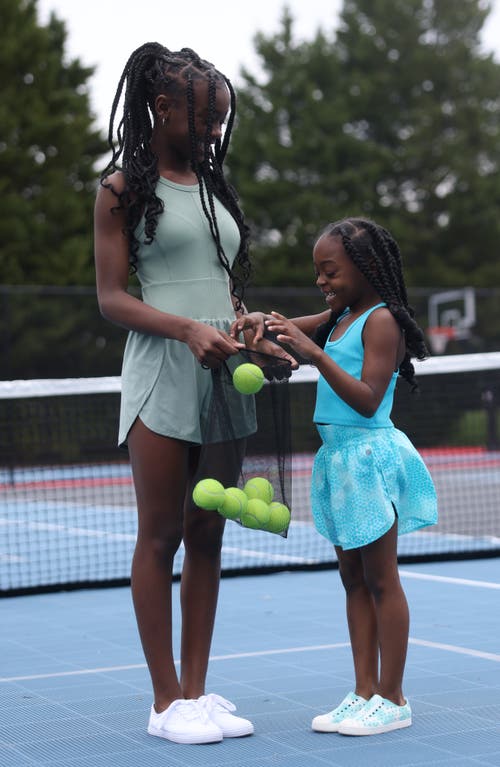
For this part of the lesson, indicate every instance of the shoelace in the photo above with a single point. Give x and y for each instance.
(190, 709)
(212, 700)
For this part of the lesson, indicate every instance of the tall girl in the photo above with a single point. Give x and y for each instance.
(165, 211)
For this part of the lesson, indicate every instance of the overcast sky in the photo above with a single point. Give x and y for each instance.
(103, 33)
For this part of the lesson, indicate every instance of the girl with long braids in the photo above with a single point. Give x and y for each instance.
(165, 211)
(369, 484)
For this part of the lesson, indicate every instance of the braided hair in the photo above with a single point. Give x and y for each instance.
(150, 71)
(368, 244)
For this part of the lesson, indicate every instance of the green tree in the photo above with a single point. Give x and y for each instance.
(48, 152)
(396, 116)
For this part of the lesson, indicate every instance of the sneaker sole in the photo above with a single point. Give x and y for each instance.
(243, 732)
(191, 740)
(353, 730)
(319, 727)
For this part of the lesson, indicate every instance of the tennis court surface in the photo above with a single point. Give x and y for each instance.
(74, 689)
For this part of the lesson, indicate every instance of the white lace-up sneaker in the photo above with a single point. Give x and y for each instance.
(184, 721)
(220, 711)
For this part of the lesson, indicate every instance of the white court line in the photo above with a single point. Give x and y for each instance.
(256, 654)
(449, 579)
(232, 656)
(454, 648)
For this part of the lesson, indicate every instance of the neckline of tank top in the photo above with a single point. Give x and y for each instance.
(181, 187)
(353, 323)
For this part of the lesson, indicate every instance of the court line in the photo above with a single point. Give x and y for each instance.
(256, 654)
(454, 648)
(449, 579)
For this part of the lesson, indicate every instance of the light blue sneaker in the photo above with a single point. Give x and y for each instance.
(351, 704)
(377, 716)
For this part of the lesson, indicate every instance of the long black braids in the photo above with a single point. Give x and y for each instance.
(376, 254)
(151, 70)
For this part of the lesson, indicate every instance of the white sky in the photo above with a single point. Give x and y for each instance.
(103, 33)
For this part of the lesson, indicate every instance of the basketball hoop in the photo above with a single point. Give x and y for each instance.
(439, 335)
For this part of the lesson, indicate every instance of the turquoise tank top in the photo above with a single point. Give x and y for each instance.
(348, 353)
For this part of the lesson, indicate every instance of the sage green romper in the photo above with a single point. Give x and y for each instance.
(180, 273)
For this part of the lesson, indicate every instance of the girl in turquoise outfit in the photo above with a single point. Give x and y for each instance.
(369, 484)
(165, 211)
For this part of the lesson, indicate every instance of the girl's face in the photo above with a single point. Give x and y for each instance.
(341, 282)
(176, 130)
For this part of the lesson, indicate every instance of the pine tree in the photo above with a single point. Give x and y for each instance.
(396, 117)
(48, 152)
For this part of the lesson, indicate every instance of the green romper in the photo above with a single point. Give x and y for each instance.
(180, 273)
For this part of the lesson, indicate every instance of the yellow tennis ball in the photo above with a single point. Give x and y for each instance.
(259, 487)
(208, 494)
(279, 517)
(248, 378)
(256, 514)
(234, 503)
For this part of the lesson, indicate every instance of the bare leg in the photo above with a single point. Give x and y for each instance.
(391, 608)
(203, 531)
(160, 469)
(361, 621)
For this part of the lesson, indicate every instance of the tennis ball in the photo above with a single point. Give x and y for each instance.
(208, 494)
(279, 517)
(256, 514)
(234, 503)
(248, 378)
(259, 487)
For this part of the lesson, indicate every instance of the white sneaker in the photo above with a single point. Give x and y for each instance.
(184, 721)
(220, 712)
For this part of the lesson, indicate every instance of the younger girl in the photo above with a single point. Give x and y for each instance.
(369, 484)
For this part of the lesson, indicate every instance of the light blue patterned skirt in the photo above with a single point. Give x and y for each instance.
(362, 478)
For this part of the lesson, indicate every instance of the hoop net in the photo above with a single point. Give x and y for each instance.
(439, 336)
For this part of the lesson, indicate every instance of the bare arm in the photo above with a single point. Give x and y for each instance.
(256, 323)
(382, 342)
(209, 345)
(309, 323)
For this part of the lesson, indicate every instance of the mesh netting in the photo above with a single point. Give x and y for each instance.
(242, 442)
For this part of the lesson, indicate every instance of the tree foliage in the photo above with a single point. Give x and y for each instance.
(394, 116)
(48, 151)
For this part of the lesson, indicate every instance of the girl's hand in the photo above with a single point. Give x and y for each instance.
(288, 333)
(253, 322)
(269, 347)
(211, 346)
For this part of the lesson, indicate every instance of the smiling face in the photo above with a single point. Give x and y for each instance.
(176, 135)
(341, 282)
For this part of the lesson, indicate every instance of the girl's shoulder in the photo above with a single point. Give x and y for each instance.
(380, 316)
(115, 182)
(381, 329)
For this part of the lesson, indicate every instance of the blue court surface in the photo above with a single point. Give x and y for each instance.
(74, 689)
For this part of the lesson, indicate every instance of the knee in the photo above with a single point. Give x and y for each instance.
(381, 584)
(162, 544)
(203, 532)
(352, 576)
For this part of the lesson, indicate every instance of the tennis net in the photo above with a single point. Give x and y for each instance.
(67, 504)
